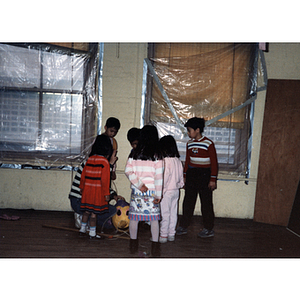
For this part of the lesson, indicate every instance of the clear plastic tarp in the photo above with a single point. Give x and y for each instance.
(49, 96)
(205, 80)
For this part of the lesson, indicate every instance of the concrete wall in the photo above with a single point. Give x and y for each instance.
(122, 90)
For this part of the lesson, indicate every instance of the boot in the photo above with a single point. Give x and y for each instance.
(155, 249)
(133, 246)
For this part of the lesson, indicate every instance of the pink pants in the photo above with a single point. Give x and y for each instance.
(169, 206)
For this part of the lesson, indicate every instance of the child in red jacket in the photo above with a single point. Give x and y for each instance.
(95, 184)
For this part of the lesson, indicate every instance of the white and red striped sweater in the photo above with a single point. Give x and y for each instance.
(202, 154)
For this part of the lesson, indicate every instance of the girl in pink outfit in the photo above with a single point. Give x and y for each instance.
(144, 169)
(173, 181)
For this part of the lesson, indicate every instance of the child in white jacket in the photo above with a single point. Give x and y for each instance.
(172, 182)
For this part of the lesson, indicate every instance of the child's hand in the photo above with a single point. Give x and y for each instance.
(156, 200)
(212, 185)
(107, 198)
(118, 197)
(113, 158)
(143, 189)
(113, 175)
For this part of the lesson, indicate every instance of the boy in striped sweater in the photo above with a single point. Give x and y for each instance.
(200, 173)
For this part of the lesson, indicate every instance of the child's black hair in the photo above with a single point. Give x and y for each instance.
(113, 122)
(168, 146)
(102, 146)
(133, 134)
(147, 148)
(195, 123)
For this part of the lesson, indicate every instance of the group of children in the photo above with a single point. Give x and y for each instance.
(156, 175)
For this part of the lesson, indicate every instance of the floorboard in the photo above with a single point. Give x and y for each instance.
(234, 238)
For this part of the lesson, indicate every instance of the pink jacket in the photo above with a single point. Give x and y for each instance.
(173, 174)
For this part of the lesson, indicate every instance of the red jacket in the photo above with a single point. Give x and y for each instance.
(94, 183)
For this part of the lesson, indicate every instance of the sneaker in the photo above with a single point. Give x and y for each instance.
(92, 233)
(180, 230)
(78, 219)
(95, 237)
(163, 240)
(171, 238)
(205, 233)
(82, 231)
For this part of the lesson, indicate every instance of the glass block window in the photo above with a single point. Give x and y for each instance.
(48, 102)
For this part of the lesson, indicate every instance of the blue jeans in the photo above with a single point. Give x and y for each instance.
(101, 218)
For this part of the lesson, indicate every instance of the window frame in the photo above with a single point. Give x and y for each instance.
(239, 167)
(88, 131)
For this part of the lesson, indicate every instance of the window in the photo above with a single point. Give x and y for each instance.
(48, 102)
(204, 80)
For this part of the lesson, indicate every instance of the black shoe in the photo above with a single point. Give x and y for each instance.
(181, 230)
(133, 246)
(155, 249)
(205, 233)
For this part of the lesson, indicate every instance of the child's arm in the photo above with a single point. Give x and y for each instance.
(158, 179)
(133, 178)
(75, 190)
(187, 161)
(166, 173)
(82, 180)
(113, 158)
(112, 163)
(214, 167)
(182, 179)
(105, 179)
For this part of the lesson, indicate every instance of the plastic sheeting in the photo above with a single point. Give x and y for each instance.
(205, 80)
(48, 103)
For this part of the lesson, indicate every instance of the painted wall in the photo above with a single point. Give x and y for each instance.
(122, 90)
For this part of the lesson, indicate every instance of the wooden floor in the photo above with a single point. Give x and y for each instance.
(30, 237)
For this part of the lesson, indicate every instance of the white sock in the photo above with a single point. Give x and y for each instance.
(92, 231)
(83, 227)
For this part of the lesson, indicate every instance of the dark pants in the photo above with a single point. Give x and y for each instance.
(101, 218)
(197, 180)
